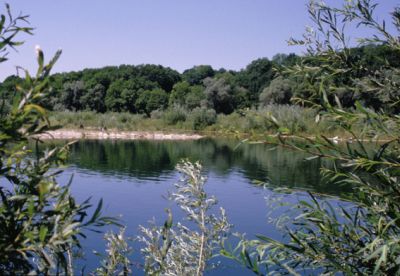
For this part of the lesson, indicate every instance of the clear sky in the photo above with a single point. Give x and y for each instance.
(174, 33)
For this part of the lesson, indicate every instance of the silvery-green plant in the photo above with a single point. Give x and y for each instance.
(182, 249)
(117, 261)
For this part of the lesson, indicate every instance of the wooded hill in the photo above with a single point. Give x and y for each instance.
(145, 88)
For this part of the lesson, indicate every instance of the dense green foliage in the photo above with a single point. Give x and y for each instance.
(144, 88)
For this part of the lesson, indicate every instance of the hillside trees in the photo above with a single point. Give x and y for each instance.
(186, 95)
(71, 96)
(94, 98)
(256, 76)
(196, 74)
(151, 100)
(280, 91)
(118, 88)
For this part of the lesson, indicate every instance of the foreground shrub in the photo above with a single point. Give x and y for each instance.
(181, 249)
(116, 262)
(41, 224)
(361, 238)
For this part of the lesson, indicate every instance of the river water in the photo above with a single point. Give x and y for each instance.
(134, 177)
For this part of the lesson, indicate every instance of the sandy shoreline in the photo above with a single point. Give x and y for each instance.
(93, 134)
(114, 135)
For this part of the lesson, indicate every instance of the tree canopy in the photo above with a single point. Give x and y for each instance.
(119, 88)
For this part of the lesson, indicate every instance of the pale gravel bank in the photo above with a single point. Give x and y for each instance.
(115, 135)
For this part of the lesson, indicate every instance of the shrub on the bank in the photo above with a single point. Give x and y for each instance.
(278, 92)
(202, 117)
(175, 115)
(292, 119)
(157, 114)
(92, 120)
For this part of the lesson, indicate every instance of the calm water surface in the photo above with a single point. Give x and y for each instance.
(133, 178)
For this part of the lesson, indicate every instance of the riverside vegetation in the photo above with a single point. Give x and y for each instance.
(294, 119)
(42, 224)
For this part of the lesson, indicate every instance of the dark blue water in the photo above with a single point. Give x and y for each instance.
(134, 177)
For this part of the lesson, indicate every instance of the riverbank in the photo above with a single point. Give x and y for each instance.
(254, 125)
(115, 135)
(292, 120)
(93, 134)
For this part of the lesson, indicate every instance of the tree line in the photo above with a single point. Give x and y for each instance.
(145, 88)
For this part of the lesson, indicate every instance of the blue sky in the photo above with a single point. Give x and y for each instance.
(174, 33)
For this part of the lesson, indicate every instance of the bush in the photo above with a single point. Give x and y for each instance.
(278, 92)
(156, 114)
(175, 115)
(186, 249)
(292, 119)
(202, 117)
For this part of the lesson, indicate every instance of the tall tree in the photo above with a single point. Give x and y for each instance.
(151, 100)
(219, 95)
(257, 75)
(94, 99)
(279, 91)
(71, 94)
(197, 74)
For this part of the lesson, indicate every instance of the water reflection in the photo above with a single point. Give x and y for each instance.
(133, 176)
(156, 160)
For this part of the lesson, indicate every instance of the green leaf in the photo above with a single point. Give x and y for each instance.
(43, 232)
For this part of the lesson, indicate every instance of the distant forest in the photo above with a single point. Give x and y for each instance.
(145, 88)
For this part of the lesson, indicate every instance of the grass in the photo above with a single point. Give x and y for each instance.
(160, 121)
(111, 120)
(291, 120)
(254, 122)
